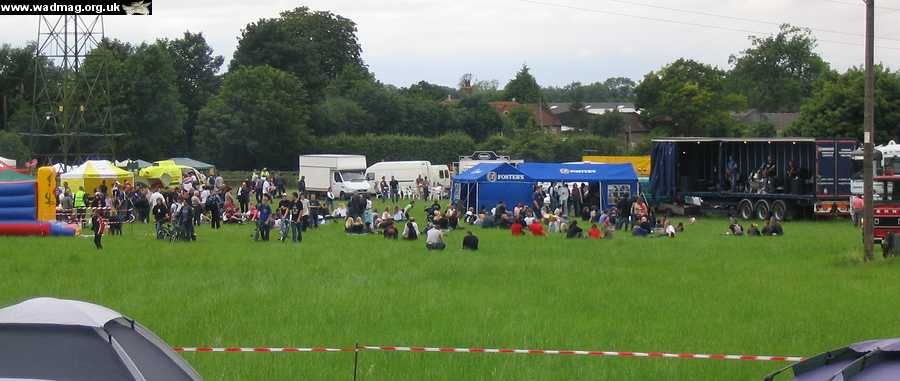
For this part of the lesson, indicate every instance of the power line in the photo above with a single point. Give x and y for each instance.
(677, 22)
(736, 18)
(855, 4)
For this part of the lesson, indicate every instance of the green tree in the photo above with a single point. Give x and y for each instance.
(339, 115)
(145, 101)
(11, 146)
(259, 118)
(759, 130)
(778, 72)
(16, 81)
(523, 88)
(475, 116)
(425, 90)
(313, 46)
(195, 69)
(609, 124)
(687, 98)
(836, 109)
(620, 88)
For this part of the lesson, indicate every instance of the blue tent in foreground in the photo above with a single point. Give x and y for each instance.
(486, 184)
(615, 180)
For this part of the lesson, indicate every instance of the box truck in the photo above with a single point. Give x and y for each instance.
(406, 173)
(344, 174)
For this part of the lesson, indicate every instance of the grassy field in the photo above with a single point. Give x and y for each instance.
(702, 292)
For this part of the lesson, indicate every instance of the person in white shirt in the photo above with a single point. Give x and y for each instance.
(670, 230)
(562, 192)
(434, 239)
(204, 195)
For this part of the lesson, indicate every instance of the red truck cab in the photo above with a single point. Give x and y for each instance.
(887, 207)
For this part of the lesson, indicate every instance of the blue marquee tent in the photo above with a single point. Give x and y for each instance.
(486, 184)
(615, 180)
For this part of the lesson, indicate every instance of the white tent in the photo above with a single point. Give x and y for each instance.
(8, 162)
(93, 173)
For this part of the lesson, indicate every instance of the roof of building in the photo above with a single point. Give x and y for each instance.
(542, 116)
(592, 107)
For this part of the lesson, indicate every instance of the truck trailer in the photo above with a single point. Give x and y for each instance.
(809, 177)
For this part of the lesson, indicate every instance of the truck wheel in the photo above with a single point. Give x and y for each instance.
(745, 209)
(342, 196)
(779, 210)
(762, 209)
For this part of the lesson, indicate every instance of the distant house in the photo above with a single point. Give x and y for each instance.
(543, 116)
(779, 120)
(635, 132)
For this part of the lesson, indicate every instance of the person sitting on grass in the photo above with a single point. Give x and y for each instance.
(441, 221)
(643, 229)
(734, 228)
(773, 228)
(358, 227)
(536, 227)
(753, 231)
(398, 214)
(348, 223)
(574, 231)
(411, 231)
(390, 231)
(669, 229)
(516, 228)
(594, 232)
(434, 239)
(680, 227)
(470, 241)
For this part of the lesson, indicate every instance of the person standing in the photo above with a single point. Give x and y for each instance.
(213, 203)
(98, 224)
(295, 216)
(537, 198)
(307, 216)
(330, 199)
(265, 216)
(80, 204)
(395, 190)
(384, 189)
(187, 220)
(563, 193)
(244, 197)
(301, 185)
(160, 214)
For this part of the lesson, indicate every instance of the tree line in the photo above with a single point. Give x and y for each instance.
(297, 84)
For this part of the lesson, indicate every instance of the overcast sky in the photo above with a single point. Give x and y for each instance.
(405, 41)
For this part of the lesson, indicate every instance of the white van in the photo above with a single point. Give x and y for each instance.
(343, 173)
(406, 173)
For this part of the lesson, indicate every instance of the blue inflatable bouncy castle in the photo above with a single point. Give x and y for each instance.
(18, 208)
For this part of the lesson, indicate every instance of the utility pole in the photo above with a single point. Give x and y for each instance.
(869, 132)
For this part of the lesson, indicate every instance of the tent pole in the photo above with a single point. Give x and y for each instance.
(477, 196)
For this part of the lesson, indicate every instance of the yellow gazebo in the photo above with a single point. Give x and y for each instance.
(93, 173)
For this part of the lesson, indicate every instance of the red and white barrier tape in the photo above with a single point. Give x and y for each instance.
(262, 349)
(551, 352)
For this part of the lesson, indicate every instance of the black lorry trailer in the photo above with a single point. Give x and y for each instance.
(694, 171)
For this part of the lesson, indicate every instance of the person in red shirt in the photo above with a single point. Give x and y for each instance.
(594, 232)
(516, 228)
(536, 228)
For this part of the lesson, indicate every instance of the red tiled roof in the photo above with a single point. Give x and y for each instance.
(540, 115)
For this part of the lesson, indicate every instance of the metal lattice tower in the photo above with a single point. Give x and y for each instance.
(68, 103)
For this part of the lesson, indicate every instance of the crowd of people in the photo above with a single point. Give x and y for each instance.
(263, 200)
